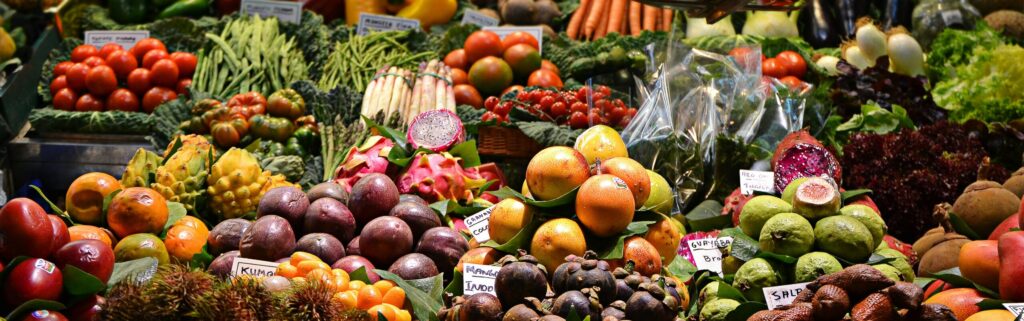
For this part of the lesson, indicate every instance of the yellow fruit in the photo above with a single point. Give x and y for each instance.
(992, 315)
(7, 46)
(508, 218)
(600, 142)
(665, 236)
(556, 239)
(555, 171)
(660, 199)
(236, 184)
(84, 198)
(604, 205)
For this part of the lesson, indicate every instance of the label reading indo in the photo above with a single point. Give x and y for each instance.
(478, 278)
(244, 266)
(284, 10)
(125, 38)
(375, 22)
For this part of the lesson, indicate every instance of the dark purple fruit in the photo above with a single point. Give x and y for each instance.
(622, 290)
(643, 306)
(354, 262)
(221, 266)
(288, 202)
(414, 266)
(574, 300)
(328, 189)
(92, 256)
(33, 279)
(384, 240)
(353, 246)
(520, 312)
(225, 236)
(323, 245)
(581, 273)
(44, 315)
(412, 198)
(613, 312)
(372, 196)
(86, 309)
(419, 217)
(269, 238)
(480, 307)
(443, 245)
(328, 215)
(519, 280)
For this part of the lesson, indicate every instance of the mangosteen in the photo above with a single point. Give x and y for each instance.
(587, 272)
(480, 307)
(519, 279)
(444, 246)
(520, 312)
(642, 305)
(328, 189)
(576, 301)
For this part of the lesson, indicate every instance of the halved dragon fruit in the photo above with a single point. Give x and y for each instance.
(800, 155)
(435, 177)
(436, 130)
(370, 157)
(684, 248)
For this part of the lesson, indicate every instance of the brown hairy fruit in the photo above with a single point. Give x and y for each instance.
(830, 303)
(238, 299)
(175, 288)
(310, 301)
(905, 295)
(874, 307)
(766, 315)
(858, 280)
(126, 302)
(798, 312)
(985, 204)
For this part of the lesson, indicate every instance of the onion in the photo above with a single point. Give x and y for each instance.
(771, 24)
(855, 56)
(829, 64)
(870, 39)
(699, 27)
(905, 53)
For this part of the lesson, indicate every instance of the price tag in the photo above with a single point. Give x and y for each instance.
(952, 17)
(478, 225)
(782, 295)
(244, 266)
(474, 17)
(478, 278)
(707, 253)
(284, 10)
(756, 181)
(536, 31)
(125, 38)
(1016, 308)
(375, 22)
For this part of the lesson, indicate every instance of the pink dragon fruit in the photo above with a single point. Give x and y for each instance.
(800, 155)
(436, 130)
(684, 249)
(370, 157)
(477, 177)
(435, 177)
(734, 205)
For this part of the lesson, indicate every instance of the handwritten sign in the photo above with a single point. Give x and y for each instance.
(478, 278)
(244, 266)
(535, 31)
(707, 253)
(756, 181)
(473, 17)
(777, 296)
(284, 10)
(478, 225)
(375, 22)
(1016, 308)
(125, 38)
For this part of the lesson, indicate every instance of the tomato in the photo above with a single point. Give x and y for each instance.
(109, 48)
(467, 95)
(792, 82)
(772, 67)
(793, 62)
(559, 109)
(186, 63)
(165, 73)
(88, 102)
(511, 89)
(80, 53)
(156, 96)
(94, 61)
(62, 68)
(101, 80)
(139, 81)
(76, 76)
(459, 77)
(544, 78)
(122, 62)
(456, 59)
(152, 57)
(182, 87)
(523, 59)
(519, 37)
(123, 99)
(145, 45)
(481, 44)
(548, 65)
(490, 75)
(578, 120)
(742, 54)
(65, 99)
(504, 108)
(491, 102)
(58, 83)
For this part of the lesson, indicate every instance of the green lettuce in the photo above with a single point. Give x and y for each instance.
(988, 88)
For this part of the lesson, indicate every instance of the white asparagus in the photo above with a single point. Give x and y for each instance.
(396, 95)
(440, 96)
(451, 91)
(370, 111)
(414, 100)
(389, 86)
(367, 99)
(407, 95)
(428, 87)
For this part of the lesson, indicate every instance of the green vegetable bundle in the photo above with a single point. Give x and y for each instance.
(354, 62)
(92, 122)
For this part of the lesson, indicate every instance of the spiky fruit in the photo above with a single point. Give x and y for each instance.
(800, 155)
(310, 301)
(136, 173)
(236, 184)
(126, 302)
(434, 177)
(436, 130)
(370, 157)
(197, 141)
(238, 299)
(182, 178)
(175, 289)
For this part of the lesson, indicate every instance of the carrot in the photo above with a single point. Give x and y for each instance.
(624, 25)
(650, 17)
(618, 13)
(604, 24)
(666, 19)
(594, 17)
(634, 17)
(576, 21)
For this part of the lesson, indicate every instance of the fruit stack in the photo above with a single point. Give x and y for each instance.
(495, 65)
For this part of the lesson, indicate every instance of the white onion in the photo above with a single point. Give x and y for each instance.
(870, 39)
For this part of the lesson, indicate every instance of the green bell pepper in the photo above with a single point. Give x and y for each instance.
(308, 137)
(129, 11)
(293, 147)
(185, 8)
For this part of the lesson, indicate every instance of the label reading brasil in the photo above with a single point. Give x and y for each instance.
(782, 295)
(375, 22)
(243, 266)
(707, 253)
(284, 10)
(125, 38)
(478, 278)
(478, 225)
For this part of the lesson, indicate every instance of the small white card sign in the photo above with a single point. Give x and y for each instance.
(287, 11)
(479, 223)
(1016, 308)
(125, 38)
(782, 295)
(756, 181)
(374, 22)
(707, 253)
(536, 31)
(478, 18)
(244, 266)
(478, 278)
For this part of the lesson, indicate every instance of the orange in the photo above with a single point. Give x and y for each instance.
(137, 210)
(963, 301)
(389, 312)
(555, 171)
(183, 242)
(479, 255)
(196, 223)
(300, 256)
(384, 286)
(89, 232)
(84, 199)
(556, 239)
(605, 205)
(403, 315)
(309, 265)
(634, 174)
(508, 218)
(395, 296)
(369, 296)
(356, 285)
(348, 299)
(665, 236)
(645, 257)
(992, 315)
(979, 262)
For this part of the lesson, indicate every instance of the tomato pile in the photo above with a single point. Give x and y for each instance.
(497, 65)
(564, 107)
(113, 78)
(788, 66)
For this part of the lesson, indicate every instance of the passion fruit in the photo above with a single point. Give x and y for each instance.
(385, 239)
(269, 238)
(555, 171)
(226, 235)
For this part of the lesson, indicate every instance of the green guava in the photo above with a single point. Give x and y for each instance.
(709, 292)
(869, 218)
(899, 262)
(812, 265)
(787, 234)
(790, 191)
(717, 310)
(844, 237)
(890, 272)
(753, 276)
(758, 210)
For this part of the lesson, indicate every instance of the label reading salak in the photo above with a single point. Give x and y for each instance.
(287, 11)
(478, 278)
(782, 295)
(243, 266)
(125, 38)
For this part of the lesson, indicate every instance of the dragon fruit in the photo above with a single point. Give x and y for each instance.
(734, 205)
(800, 155)
(684, 248)
(138, 171)
(435, 177)
(236, 184)
(370, 157)
(906, 249)
(477, 177)
(436, 130)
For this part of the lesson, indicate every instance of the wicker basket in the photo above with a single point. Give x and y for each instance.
(508, 142)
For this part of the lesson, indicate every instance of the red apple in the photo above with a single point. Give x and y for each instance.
(44, 315)
(1011, 222)
(60, 233)
(86, 309)
(24, 230)
(33, 279)
(91, 256)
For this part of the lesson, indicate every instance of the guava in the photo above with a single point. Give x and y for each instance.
(844, 237)
(717, 310)
(899, 261)
(869, 218)
(790, 191)
(816, 198)
(758, 210)
(890, 272)
(753, 276)
(812, 265)
(661, 200)
(787, 234)
(709, 292)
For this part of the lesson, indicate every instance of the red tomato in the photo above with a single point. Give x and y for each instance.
(519, 37)
(101, 80)
(145, 45)
(511, 89)
(792, 82)
(578, 120)
(62, 68)
(122, 62)
(793, 62)
(140, 81)
(109, 48)
(94, 61)
(76, 76)
(88, 102)
(165, 73)
(58, 83)
(152, 57)
(182, 87)
(456, 59)
(548, 65)
(742, 54)
(481, 44)
(467, 95)
(123, 99)
(772, 67)
(65, 99)
(156, 96)
(80, 53)
(544, 78)
(186, 63)
(459, 77)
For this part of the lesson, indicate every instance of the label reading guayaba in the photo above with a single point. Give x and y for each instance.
(474, 17)
(756, 181)
(536, 31)
(707, 253)
(1016, 308)
(243, 266)
(478, 278)
(478, 225)
(375, 22)
(782, 295)
(284, 10)
(125, 38)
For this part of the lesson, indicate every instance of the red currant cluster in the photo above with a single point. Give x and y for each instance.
(565, 107)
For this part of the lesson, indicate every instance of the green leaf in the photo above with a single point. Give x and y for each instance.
(878, 259)
(32, 306)
(142, 269)
(992, 304)
(634, 228)
(455, 286)
(359, 275)
(395, 135)
(850, 194)
(727, 291)
(565, 199)
(468, 152)
(743, 247)
(517, 242)
(201, 259)
(707, 216)
(402, 158)
(923, 282)
(954, 278)
(54, 207)
(745, 310)
(775, 256)
(381, 317)
(573, 315)
(681, 268)
(175, 211)
(961, 227)
(446, 207)
(424, 305)
(79, 283)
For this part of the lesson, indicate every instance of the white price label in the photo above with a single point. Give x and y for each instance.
(756, 181)
(284, 10)
(474, 17)
(952, 17)
(1016, 308)
(375, 22)
(478, 225)
(244, 266)
(125, 38)
(478, 278)
(707, 252)
(536, 31)
(777, 296)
